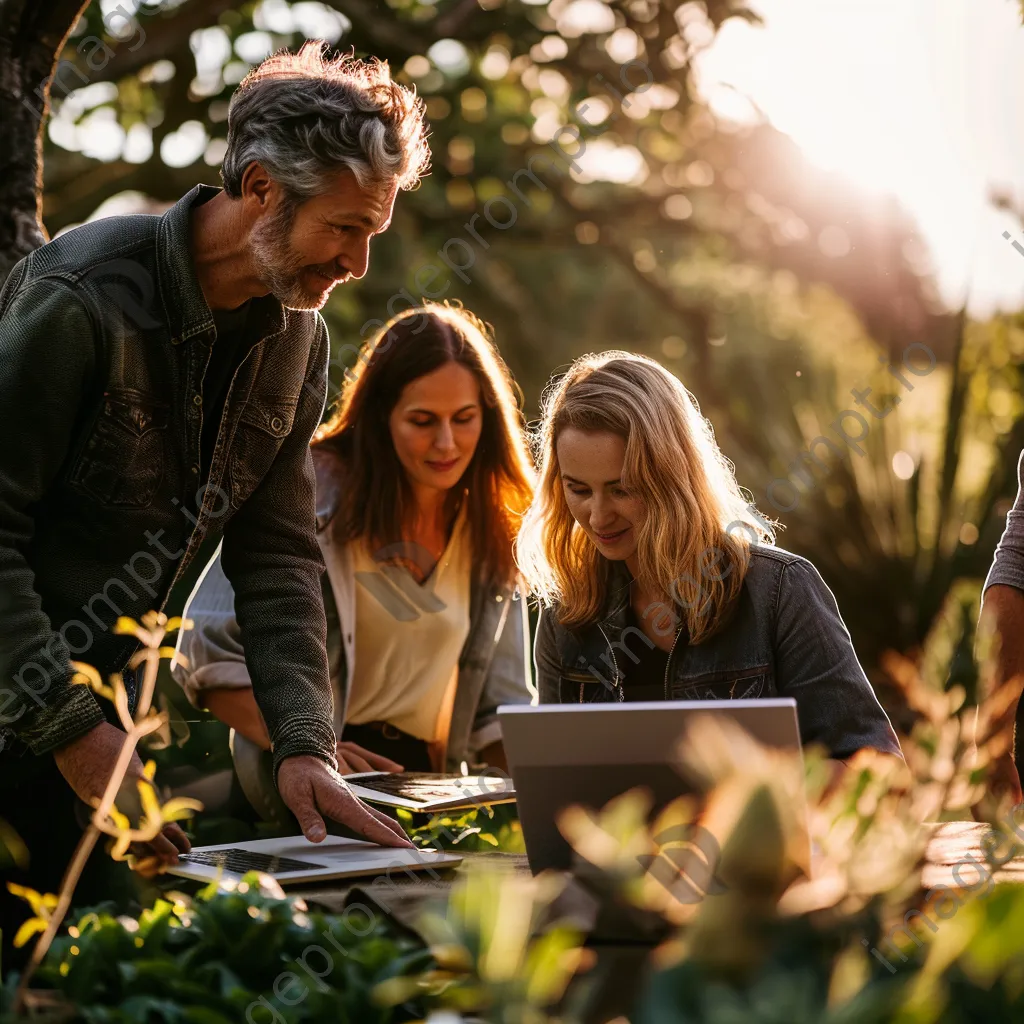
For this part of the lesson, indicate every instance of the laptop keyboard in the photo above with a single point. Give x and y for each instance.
(241, 861)
(425, 787)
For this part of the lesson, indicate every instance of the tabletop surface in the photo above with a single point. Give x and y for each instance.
(949, 854)
(954, 845)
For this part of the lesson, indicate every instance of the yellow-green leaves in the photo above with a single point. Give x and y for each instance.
(42, 906)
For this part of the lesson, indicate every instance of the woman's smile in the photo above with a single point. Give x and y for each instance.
(439, 466)
(611, 538)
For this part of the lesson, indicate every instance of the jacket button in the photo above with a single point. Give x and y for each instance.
(197, 399)
(499, 599)
(195, 470)
(276, 423)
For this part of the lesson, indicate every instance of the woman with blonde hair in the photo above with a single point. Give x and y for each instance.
(422, 476)
(659, 581)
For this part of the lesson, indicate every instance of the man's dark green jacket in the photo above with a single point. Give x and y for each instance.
(104, 339)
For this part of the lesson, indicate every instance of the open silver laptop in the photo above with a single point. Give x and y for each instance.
(586, 754)
(296, 860)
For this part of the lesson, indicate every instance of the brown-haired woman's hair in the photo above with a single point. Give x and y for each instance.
(695, 508)
(497, 483)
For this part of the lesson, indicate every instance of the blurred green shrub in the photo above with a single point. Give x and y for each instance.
(211, 960)
(772, 941)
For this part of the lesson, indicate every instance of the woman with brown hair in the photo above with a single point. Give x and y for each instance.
(422, 477)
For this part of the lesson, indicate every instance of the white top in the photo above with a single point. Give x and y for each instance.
(408, 639)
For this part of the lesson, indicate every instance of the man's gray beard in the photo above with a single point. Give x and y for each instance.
(279, 265)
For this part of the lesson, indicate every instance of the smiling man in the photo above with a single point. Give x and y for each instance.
(160, 379)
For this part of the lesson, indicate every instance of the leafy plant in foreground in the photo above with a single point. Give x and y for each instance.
(211, 960)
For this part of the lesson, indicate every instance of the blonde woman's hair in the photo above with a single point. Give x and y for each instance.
(697, 525)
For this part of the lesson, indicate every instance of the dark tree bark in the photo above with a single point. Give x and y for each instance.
(32, 35)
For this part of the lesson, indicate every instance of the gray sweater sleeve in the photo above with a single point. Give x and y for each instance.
(212, 648)
(1008, 563)
(508, 681)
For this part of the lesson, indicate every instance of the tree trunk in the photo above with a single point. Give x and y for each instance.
(32, 36)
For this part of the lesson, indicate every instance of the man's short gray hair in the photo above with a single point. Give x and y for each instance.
(304, 119)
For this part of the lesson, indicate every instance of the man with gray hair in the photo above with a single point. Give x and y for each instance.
(160, 380)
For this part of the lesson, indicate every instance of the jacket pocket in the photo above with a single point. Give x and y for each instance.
(583, 688)
(734, 684)
(122, 463)
(262, 428)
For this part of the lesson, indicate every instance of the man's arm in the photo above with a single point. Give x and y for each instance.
(273, 562)
(47, 361)
(1002, 612)
(272, 559)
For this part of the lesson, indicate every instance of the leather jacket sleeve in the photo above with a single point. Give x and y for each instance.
(47, 357)
(271, 558)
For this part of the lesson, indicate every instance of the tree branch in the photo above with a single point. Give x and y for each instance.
(452, 23)
(165, 37)
(384, 32)
(80, 198)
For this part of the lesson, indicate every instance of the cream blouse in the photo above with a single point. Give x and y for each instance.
(408, 639)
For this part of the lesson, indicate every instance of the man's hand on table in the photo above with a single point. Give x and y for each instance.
(87, 764)
(313, 790)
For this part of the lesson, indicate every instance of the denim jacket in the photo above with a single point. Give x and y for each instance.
(105, 336)
(493, 665)
(784, 638)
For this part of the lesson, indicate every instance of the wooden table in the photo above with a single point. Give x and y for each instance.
(953, 844)
(405, 894)
(956, 843)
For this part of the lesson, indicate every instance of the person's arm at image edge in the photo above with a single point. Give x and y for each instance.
(1002, 613)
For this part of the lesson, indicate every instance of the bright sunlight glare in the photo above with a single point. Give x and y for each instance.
(920, 98)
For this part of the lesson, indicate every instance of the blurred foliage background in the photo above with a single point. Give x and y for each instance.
(769, 286)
